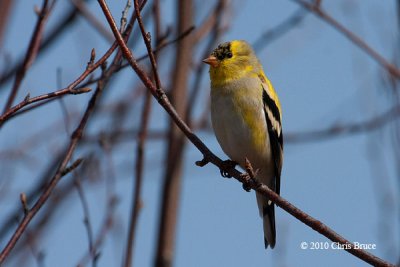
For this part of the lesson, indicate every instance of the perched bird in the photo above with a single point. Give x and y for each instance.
(246, 117)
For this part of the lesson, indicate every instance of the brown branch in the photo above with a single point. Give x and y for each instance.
(125, 14)
(318, 11)
(28, 100)
(31, 52)
(210, 157)
(147, 40)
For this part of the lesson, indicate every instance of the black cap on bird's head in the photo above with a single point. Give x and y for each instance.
(228, 50)
(223, 51)
(220, 53)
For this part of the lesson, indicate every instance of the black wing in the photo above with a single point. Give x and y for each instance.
(273, 118)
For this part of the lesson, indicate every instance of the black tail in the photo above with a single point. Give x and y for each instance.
(269, 224)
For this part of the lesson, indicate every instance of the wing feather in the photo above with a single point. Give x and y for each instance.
(273, 118)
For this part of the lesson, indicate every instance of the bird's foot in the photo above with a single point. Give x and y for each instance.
(226, 166)
(246, 182)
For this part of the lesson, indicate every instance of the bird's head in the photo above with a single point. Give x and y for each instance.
(232, 60)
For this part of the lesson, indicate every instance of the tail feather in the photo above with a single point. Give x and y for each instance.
(267, 212)
(269, 224)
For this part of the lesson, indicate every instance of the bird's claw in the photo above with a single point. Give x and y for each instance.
(227, 165)
(246, 182)
(246, 186)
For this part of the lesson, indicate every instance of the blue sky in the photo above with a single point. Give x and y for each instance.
(321, 78)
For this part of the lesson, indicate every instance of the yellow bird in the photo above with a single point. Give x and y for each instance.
(246, 117)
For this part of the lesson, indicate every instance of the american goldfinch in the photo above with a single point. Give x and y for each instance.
(246, 117)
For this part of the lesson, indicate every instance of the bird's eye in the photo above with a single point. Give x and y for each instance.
(229, 55)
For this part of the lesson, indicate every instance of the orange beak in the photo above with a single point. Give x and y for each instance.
(212, 61)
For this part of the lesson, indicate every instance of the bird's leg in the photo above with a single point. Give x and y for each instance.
(249, 178)
(246, 182)
(226, 166)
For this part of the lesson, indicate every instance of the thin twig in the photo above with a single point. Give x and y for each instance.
(125, 14)
(28, 100)
(147, 40)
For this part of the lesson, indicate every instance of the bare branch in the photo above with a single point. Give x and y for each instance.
(28, 100)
